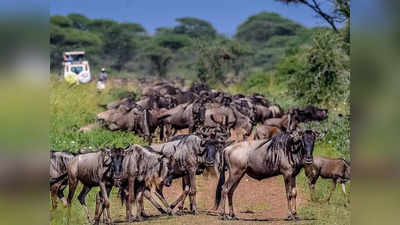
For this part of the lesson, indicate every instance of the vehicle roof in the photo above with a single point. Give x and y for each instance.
(75, 53)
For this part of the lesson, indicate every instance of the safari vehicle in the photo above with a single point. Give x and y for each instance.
(76, 67)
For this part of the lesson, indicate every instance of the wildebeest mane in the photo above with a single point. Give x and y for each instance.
(281, 146)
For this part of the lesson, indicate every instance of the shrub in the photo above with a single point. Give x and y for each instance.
(319, 74)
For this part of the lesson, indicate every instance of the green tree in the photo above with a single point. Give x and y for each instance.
(212, 61)
(119, 46)
(159, 58)
(195, 28)
(240, 54)
(340, 10)
(79, 21)
(319, 74)
(60, 21)
(172, 41)
(259, 28)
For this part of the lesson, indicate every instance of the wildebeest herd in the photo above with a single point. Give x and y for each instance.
(220, 127)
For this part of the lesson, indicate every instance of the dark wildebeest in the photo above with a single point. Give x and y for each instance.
(58, 167)
(284, 154)
(336, 169)
(143, 168)
(95, 169)
(192, 155)
(311, 113)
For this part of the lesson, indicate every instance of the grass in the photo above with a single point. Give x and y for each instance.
(74, 106)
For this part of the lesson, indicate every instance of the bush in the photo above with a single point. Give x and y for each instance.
(319, 74)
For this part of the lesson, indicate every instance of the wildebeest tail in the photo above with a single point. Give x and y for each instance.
(221, 181)
(57, 179)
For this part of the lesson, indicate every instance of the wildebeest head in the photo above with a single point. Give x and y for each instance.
(312, 113)
(307, 140)
(113, 158)
(213, 142)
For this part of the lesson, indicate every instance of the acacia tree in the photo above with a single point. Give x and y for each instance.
(159, 57)
(339, 14)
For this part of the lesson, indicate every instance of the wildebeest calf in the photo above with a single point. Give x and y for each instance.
(336, 169)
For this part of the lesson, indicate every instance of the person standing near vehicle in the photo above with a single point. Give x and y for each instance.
(101, 81)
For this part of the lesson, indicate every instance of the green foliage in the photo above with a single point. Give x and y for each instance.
(159, 57)
(319, 74)
(79, 21)
(211, 66)
(259, 28)
(195, 28)
(172, 41)
(241, 54)
(60, 21)
(72, 107)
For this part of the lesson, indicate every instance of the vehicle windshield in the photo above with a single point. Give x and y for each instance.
(77, 69)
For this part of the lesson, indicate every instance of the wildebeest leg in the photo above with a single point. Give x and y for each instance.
(73, 182)
(230, 197)
(54, 190)
(106, 202)
(294, 195)
(344, 194)
(131, 183)
(147, 194)
(139, 203)
(311, 183)
(235, 175)
(182, 197)
(332, 189)
(99, 203)
(60, 192)
(160, 196)
(192, 192)
(81, 198)
(108, 189)
(288, 187)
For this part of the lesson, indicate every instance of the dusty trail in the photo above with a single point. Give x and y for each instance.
(255, 202)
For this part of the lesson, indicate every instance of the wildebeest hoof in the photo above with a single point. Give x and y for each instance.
(195, 212)
(224, 217)
(180, 213)
(145, 215)
(292, 217)
(233, 217)
(169, 212)
(139, 219)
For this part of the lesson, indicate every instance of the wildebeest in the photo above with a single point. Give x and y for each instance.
(311, 113)
(141, 121)
(287, 122)
(284, 154)
(143, 168)
(58, 167)
(336, 169)
(95, 169)
(290, 120)
(265, 132)
(192, 154)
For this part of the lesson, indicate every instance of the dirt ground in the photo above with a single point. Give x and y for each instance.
(255, 202)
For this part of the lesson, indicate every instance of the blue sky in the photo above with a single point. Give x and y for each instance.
(225, 15)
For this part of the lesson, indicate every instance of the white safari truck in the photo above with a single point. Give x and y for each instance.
(76, 67)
